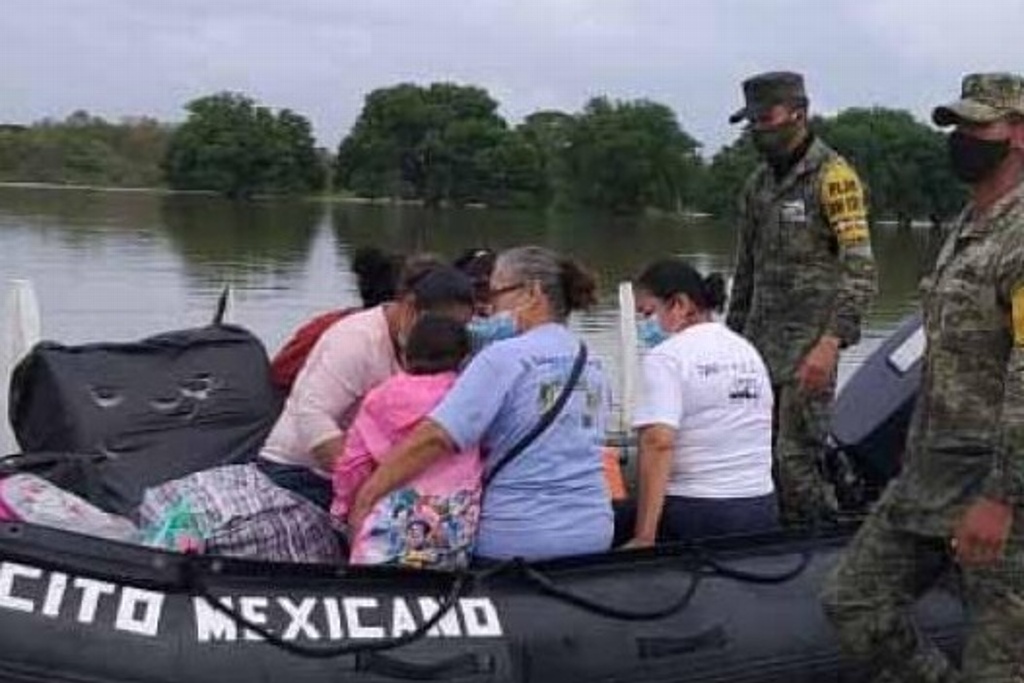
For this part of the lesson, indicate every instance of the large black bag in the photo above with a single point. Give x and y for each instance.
(117, 418)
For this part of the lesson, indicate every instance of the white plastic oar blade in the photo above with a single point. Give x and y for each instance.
(21, 331)
(629, 354)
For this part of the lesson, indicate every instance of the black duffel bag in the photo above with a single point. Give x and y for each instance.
(108, 420)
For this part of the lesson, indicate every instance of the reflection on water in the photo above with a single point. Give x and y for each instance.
(248, 244)
(125, 265)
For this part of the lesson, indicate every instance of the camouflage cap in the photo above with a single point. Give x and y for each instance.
(768, 89)
(984, 98)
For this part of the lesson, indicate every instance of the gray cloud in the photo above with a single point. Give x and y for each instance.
(320, 57)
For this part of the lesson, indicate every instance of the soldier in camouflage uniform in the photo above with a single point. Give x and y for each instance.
(804, 276)
(960, 496)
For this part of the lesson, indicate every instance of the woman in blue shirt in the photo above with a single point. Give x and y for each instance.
(551, 500)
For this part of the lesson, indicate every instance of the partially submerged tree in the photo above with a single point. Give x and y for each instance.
(231, 145)
(440, 143)
(626, 156)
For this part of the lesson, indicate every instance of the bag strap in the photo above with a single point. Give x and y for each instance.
(545, 420)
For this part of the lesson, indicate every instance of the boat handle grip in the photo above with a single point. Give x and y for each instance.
(458, 666)
(711, 638)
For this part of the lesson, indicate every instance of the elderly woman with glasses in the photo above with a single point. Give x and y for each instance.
(551, 499)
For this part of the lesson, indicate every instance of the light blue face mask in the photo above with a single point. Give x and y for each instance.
(650, 333)
(485, 330)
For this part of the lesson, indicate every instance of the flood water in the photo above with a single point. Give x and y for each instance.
(123, 265)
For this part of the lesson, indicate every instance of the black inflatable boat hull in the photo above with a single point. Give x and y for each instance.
(81, 609)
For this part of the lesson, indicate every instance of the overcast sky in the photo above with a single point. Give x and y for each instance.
(320, 57)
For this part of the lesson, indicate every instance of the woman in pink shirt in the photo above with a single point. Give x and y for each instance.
(353, 356)
(430, 521)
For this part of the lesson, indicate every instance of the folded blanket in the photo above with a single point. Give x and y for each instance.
(32, 499)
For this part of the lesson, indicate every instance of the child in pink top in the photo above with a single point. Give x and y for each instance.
(430, 521)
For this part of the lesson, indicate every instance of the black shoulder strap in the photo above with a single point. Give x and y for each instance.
(545, 420)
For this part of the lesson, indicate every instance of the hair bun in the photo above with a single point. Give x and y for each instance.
(579, 284)
(714, 291)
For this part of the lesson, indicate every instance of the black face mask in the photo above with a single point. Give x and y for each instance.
(774, 143)
(974, 159)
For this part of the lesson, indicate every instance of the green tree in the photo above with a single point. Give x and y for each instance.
(84, 149)
(725, 176)
(441, 143)
(370, 166)
(378, 157)
(902, 161)
(515, 173)
(298, 166)
(231, 145)
(626, 156)
(549, 133)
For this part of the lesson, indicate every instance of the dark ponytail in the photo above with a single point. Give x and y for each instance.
(578, 284)
(668, 277)
(714, 292)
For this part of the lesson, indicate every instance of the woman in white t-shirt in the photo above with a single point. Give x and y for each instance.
(704, 415)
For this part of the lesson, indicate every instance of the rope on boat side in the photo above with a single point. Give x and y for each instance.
(720, 569)
(710, 567)
(548, 587)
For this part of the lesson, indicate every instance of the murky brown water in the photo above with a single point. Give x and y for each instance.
(121, 265)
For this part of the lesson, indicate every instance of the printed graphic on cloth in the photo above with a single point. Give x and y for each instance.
(432, 521)
(414, 529)
(843, 199)
(182, 528)
(1017, 314)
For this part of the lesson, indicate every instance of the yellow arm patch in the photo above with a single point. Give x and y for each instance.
(842, 200)
(1017, 304)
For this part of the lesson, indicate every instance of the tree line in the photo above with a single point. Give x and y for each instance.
(447, 144)
(85, 150)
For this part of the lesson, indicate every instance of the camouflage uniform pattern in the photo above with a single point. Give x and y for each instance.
(984, 98)
(966, 441)
(804, 269)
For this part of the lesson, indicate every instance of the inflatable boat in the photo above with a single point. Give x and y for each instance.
(79, 609)
(82, 609)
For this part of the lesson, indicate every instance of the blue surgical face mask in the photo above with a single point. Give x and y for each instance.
(650, 333)
(484, 330)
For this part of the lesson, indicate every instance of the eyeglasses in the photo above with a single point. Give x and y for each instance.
(493, 294)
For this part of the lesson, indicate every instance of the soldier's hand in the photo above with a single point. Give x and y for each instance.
(980, 536)
(815, 373)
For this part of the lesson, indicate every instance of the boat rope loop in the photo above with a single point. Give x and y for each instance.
(548, 587)
(719, 569)
(196, 586)
(708, 567)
